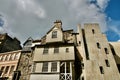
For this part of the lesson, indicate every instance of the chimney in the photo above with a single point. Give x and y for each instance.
(58, 23)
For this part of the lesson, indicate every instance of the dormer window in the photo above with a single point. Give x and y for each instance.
(54, 34)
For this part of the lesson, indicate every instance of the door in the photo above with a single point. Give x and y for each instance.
(65, 71)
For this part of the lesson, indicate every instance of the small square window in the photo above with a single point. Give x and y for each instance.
(67, 50)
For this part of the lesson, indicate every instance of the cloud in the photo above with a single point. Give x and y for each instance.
(31, 7)
(25, 18)
(102, 3)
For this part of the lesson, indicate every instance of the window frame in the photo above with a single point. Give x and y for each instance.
(45, 67)
(98, 45)
(53, 66)
(67, 50)
(46, 50)
(56, 49)
(54, 34)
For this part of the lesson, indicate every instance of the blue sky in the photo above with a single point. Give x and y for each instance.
(113, 11)
(33, 18)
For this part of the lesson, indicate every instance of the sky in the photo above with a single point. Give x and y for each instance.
(33, 18)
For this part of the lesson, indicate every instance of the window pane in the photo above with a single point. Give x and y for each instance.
(56, 50)
(67, 50)
(45, 67)
(2, 68)
(54, 67)
(6, 70)
(54, 34)
(45, 50)
(12, 69)
(68, 67)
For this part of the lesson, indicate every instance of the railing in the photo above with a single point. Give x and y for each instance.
(65, 76)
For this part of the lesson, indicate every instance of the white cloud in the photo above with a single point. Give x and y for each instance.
(31, 7)
(25, 18)
(118, 40)
(102, 3)
(83, 11)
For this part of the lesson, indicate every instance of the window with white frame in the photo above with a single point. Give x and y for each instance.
(54, 34)
(45, 51)
(45, 67)
(56, 49)
(54, 67)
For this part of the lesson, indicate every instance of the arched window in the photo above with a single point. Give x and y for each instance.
(54, 34)
(7, 57)
(12, 57)
(17, 56)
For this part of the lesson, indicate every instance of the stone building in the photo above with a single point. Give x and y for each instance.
(8, 44)
(98, 62)
(115, 48)
(25, 62)
(8, 64)
(85, 55)
(54, 58)
(68, 55)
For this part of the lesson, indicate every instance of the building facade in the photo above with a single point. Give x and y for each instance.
(25, 62)
(54, 58)
(8, 64)
(8, 44)
(85, 55)
(64, 55)
(98, 60)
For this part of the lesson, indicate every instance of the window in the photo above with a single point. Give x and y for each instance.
(1, 58)
(12, 69)
(45, 67)
(7, 57)
(98, 45)
(68, 67)
(54, 67)
(93, 31)
(82, 78)
(6, 70)
(45, 50)
(56, 49)
(2, 68)
(113, 51)
(101, 70)
(12, 57)
(67, 50)
(107, 63)
(118, 66)
(106, 50)
(54, 34)
(17, 56)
